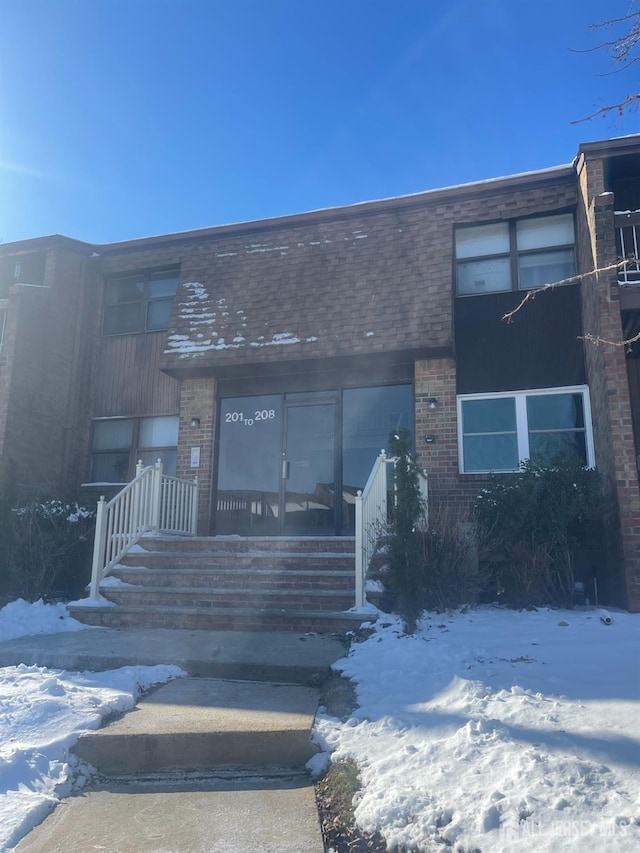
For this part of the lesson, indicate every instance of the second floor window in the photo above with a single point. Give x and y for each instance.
(516, 255)
(139, 303)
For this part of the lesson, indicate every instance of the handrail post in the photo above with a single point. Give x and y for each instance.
(98, 548)
(194, 507)
(359, 598)
(156, 496)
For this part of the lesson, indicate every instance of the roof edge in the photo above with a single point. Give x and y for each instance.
(51, 241)
(364, 208)
(616, 145)
(489, 186)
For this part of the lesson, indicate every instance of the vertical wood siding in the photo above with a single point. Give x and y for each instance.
(128, 380)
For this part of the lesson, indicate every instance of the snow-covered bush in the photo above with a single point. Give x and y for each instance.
(46, 549)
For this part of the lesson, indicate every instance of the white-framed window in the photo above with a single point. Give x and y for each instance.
(496, 432)
(118, 443)
(516, 255)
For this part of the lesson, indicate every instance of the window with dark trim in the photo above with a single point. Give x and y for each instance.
(496, 432)
(118, 443)
(139, 302)
(516, 255)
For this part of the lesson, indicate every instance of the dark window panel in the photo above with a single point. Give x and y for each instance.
(159, 314)
(122, 319)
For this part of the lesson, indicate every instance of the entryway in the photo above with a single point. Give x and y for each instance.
(292, 463)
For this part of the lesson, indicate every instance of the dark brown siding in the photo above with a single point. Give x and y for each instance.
(633, 371)
(540, 348)
(128, 380)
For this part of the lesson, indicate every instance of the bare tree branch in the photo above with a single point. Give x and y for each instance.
(597, 340)
(618, 108)
(624, 50)
(531, 294)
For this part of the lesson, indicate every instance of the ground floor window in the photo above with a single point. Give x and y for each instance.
(118, 443)
(293, 463)
(499, 431)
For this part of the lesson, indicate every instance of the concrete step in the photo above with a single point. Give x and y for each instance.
(215, 561)
(244, 544)
(219, 619)
(232, 578)
(282, 656)
(209, 597)
(204, 724)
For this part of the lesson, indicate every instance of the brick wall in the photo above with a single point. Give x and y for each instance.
(608, 381)
(437, 378)
(198, 400)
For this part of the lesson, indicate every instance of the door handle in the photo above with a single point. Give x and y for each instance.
(285, 469)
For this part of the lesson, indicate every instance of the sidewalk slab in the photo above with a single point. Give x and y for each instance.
(276, 656)
(204, 724)
(250, 816)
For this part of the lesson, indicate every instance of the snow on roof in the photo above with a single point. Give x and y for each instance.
(346, 207)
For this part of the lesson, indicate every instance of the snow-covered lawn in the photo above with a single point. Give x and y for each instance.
(497, 731)
(42, 713)
(488, 730)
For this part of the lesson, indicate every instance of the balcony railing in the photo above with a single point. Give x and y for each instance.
(628, 240)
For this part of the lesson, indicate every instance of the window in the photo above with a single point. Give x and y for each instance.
(3, 322)
(139, 303)
(118, 443)
(514, 255)
(27, 268)
(498, 432)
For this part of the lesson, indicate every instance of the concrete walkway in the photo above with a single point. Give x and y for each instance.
(272, 815)
(248, 655)
(202, 764)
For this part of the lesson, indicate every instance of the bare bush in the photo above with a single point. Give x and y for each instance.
(46, 550)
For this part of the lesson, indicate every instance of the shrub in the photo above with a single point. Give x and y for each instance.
(426, 567)
(7, 502)
(535, 520)
(404, 577)
(47, 548)
(448, 562)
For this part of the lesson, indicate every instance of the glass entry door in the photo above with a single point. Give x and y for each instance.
(309, 469)
(292, 463)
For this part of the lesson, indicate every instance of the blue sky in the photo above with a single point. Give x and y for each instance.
(128, 118)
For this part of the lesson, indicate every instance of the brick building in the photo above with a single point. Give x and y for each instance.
(273, 358)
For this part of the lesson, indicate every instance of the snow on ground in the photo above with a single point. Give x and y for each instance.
(42, 713)
(493, 730)
(20, 619)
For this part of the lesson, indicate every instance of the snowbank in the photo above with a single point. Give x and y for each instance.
(497, 730)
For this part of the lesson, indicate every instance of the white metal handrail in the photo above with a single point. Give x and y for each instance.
(372, 517)
(371, 520)
(150, 503)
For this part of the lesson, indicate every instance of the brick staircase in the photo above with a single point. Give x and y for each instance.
(218, 583)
